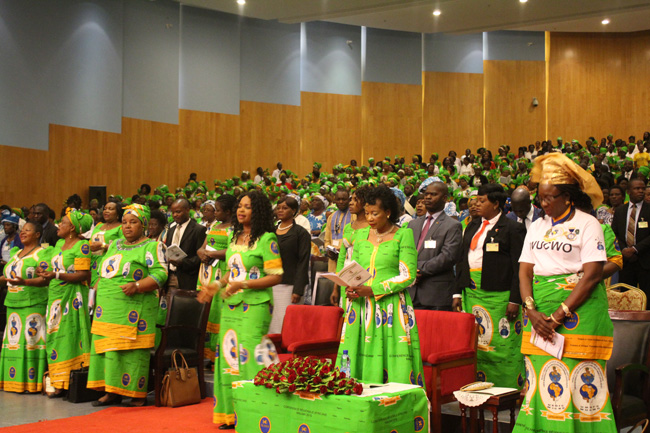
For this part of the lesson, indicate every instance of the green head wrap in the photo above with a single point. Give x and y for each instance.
(81, 221)
(140, 212)
(318, 165)
(163, 188)
(643, 171)
(603, 150)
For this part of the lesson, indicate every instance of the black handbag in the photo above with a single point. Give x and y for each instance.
(77, 391)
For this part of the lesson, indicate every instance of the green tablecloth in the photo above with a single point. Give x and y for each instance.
(392, 408)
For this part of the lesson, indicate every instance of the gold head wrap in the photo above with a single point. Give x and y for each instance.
(557, 169)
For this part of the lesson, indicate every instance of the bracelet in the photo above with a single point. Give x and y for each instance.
(567, 310)
(57, 275)
(219, 284)
(244, 285)
(104, 245)
(137, 286)
(529, 303)
(555, 321)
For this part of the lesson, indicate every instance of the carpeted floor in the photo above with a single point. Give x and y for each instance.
(192, 418)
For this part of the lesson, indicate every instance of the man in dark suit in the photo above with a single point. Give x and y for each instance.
(438, 239)
(630, 225)
(189, 236)
(41, 215)
(523, 211)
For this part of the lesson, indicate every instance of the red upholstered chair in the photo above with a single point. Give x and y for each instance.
(309, 330)
(448, 343)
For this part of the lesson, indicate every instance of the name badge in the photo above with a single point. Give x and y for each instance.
(430, 244)
(492, 247)
(643, 224)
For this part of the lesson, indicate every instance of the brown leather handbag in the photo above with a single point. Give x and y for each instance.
(180, 385)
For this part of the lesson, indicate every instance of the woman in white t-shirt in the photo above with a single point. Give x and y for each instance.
(560, 282)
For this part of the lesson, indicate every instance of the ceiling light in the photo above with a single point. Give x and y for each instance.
(437, 12)
(241, 2)
(605, 21)
(523, 1)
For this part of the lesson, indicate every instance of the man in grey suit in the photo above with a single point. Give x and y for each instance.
(438, 238)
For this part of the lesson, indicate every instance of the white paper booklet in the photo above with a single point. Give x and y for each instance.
(352, 275)
(174, 252)
(554, 347)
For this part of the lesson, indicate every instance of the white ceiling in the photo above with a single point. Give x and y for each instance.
(458, 16)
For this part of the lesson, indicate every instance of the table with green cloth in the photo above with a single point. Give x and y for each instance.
(389, 408)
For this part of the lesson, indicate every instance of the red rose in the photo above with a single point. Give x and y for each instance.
(348, 392)
(311, 371)
(317, 380)
(292, 388)
(330, 385)
(342, 383)
(307, 387)
(269, 385)
(358, 389)
(337, 391)
(326, 368)
(278, 390)
(322, 389)
(292, 376)
(302, 379)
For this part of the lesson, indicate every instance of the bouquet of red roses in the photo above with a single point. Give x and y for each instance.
(307, 374)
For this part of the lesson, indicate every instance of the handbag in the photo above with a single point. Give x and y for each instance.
(77, 389)
(180, 385)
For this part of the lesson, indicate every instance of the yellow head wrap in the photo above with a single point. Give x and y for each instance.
(557, 169)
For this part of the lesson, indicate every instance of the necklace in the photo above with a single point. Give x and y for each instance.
(284, 228)
(26, 255)
(380, 236)
(134, 242)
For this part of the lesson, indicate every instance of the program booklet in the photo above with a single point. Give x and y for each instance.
(174, 252)
(554, 348)
(351, 275)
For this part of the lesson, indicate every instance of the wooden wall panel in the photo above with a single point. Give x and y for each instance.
(391, 120)
(331, 129)
(590, 91)
(270, 133)
(452, 112)
(510, 117)
(209, 145)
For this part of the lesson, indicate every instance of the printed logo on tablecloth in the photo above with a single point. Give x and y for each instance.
(418, 424)
(387, 401)
(504, 328)
(304, 428)
(480, 376)
(12, 372)
(54, 318)
(265, 424)
(589, 391)
(485, 327)
(230, 353)
(15, 328)
(31, 373)
(572, 322)
(412, 377)
(554, 390)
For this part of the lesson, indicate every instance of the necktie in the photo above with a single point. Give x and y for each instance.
(630, 226)
(474, 243)
(425, 229)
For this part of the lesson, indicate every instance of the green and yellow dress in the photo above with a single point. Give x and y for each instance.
(104, 236)
(216, 240)
(123, 329)
(245, 319)
(24, 359)
(68, 323)
(380, 333)
(345, 257)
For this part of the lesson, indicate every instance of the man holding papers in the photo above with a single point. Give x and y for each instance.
(187, 235)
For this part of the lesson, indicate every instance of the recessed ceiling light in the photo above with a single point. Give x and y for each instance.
(241, 2)
(605, 21)
(437, 12)
(523, 1)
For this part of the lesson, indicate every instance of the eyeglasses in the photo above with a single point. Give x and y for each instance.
(549, 198)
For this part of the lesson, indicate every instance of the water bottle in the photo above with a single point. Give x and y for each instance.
(345, 363)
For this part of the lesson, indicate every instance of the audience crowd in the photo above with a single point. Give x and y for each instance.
(462, 225)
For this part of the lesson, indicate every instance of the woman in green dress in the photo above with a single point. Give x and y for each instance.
(379, 331)
(213, 263)
(123, 329)
(103, 234)
(68, 323)
(254, 266)
(563, 294)
(24, 359)
(357, 208)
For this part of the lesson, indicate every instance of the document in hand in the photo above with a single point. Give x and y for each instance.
(174, 252)
(554, 347)
(350, 276)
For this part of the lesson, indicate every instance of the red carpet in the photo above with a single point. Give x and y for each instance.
(197, 417)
